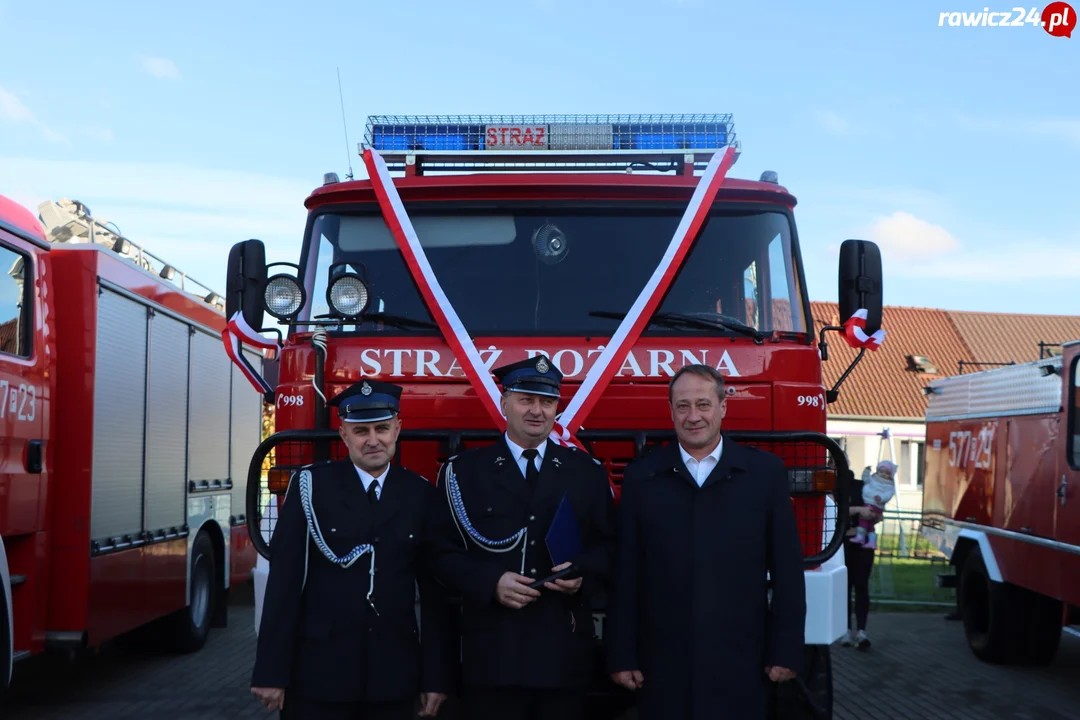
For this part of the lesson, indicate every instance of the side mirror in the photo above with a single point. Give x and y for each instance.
(246, 281)
(860, 282)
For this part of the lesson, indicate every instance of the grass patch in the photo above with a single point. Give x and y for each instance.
(909, 580)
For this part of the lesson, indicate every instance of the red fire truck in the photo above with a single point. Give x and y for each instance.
(613, 245)
(126, 439)
(1002, 500)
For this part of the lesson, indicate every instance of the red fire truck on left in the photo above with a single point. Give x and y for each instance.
(125, 438)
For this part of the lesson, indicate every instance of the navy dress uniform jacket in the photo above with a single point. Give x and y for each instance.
(549, 643)
(690, 608)
(320, 639)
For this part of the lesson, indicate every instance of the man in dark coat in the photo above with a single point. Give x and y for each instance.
(526, 653)
(701, 522)
(338, 636)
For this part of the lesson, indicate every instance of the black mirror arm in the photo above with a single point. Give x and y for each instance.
(832, 395)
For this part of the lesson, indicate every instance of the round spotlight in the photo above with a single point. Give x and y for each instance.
(283, 296)
(348, 296)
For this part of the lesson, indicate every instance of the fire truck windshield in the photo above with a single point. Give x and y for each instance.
(566, 270)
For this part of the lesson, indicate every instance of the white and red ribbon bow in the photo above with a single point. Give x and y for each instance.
(613, 355)
(238, 331)
(855, 332)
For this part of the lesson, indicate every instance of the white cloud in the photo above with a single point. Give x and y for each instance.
(187, 216)
(1065, 130)
(15, 111)
(833, 123)
(903, 237)
(160, 67)
(914, 248)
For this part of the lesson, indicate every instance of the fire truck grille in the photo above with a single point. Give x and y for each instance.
(817, 471)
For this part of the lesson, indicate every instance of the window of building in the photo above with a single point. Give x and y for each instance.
(912, 462)
(15, 317)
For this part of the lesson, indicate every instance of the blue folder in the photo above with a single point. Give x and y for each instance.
(564, 536)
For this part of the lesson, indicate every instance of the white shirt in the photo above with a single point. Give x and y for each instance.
(517, 451)
(700, 469)
(367, 478)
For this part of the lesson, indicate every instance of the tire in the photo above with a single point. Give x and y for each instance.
(990, 611)
(192, 624)
(809, 697)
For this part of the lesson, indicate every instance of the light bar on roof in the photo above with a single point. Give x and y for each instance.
(545, 134)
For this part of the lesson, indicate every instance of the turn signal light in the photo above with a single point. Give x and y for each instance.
(277, 480)
(812, 481)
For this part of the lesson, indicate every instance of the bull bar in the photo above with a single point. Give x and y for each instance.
(827, 460)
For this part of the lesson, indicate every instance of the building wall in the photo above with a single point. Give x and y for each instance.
(864, 447)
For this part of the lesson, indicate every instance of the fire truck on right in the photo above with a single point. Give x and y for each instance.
(1002, 500)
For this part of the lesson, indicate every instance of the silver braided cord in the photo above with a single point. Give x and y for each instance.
(316, 534)
(318, 341)
(461, 519)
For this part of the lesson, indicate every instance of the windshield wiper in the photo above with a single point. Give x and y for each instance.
(703, 321)
(398, 321)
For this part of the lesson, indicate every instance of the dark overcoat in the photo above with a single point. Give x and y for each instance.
(548, 643)
(691, 608)
(319, 637)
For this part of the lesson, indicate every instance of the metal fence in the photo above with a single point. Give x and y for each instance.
(907, 565)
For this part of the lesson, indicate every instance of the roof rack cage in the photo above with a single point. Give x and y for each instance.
(514, 143)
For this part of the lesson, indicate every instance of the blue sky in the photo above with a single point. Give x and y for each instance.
(194, 126)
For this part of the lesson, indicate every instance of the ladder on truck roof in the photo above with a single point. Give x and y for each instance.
(580, 143)
(70, 221)
(1029, 388)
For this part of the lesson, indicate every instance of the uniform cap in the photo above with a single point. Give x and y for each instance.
(537, 376)
(367, 401)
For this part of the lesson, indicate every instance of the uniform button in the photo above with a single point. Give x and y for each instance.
(532, 542)
(376, 538)
(533, 571)
(489, 509)
(532, 517)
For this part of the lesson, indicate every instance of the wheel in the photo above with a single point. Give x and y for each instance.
(1004, 623)
(192, 624)
(809, 697)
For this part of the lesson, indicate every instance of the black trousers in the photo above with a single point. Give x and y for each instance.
(481, 703)
(859, 561)
(299, 708)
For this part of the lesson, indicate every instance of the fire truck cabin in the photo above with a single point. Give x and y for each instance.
(541, 232)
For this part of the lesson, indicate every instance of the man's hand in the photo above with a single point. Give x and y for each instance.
(514, 592)
(779, 674)
(563, 585)
(430, 703)
(271, 698)
(629, 679)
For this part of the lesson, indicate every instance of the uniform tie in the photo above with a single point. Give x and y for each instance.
(532, 475)
(373, 493)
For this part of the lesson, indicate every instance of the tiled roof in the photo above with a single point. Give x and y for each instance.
(9, 339)
(881, 385)
(1013, 338)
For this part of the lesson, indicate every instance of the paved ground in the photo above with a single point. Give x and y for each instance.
(919, 667)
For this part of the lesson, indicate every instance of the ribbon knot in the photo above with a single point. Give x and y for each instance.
(855, 332)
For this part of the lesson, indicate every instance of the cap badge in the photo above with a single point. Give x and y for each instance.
(365, 388)
(542, 365)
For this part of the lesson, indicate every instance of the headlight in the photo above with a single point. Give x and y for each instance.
(347, 295)
(283, 296)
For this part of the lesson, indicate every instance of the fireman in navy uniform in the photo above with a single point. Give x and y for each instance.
(525, 653)
(339, 636)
